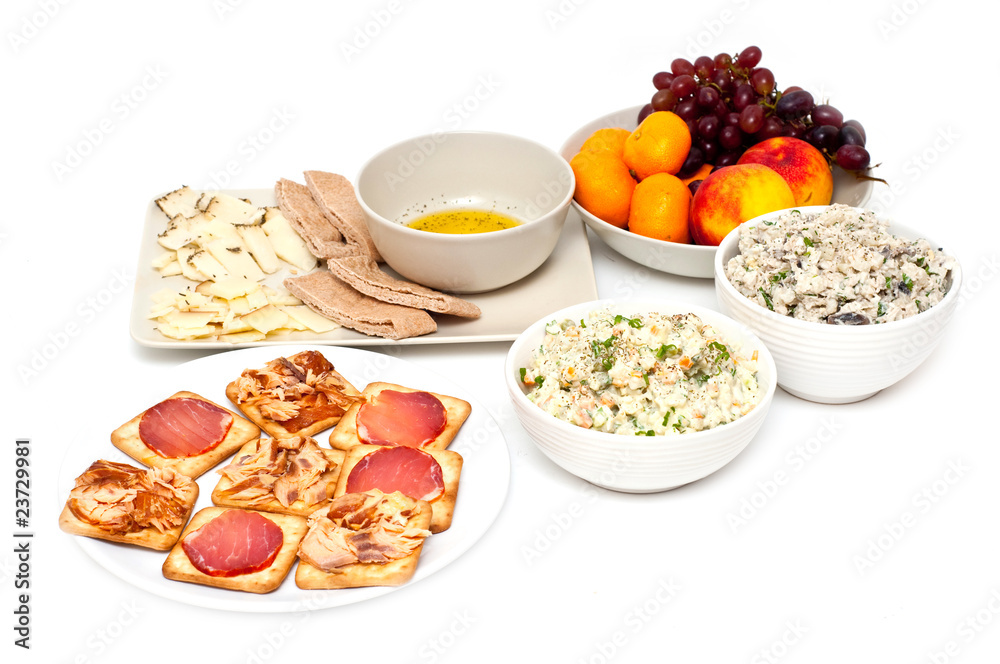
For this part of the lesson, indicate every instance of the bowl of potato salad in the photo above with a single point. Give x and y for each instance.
(640, 396)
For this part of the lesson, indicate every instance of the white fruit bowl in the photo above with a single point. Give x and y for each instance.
(630, 463)
(686, 260)
(837, 363)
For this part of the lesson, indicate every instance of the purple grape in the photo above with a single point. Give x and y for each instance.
(708, 126)
(795, 104)
(752, 118)
(695, 158)
(762, 81)
(722, 79)
(662, 80)
(823, 137)
(704, 66)
(682, 66)
(730, 137)
(687, 109)
(683, 85)
(853, 158)
(709, 148)
(771, 128)
(849, 135)
(824, 114)
(664, 100)
(749, 57)
(643, 112)
(744, 96)
(727, 158)
(857, 125)
(723, 60)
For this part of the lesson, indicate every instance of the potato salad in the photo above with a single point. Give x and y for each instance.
(648, 374)
(838, 266)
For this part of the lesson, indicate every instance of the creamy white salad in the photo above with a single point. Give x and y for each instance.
(838, 266)
(647, 374)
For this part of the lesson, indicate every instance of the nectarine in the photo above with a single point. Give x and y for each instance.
(732, 195)
(803, 167)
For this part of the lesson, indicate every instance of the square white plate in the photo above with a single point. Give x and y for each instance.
(566, 278)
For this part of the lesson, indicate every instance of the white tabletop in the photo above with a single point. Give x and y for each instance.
(864, 532)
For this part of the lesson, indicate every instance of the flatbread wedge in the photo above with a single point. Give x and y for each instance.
(328, 296)
(364, 275)
(336, 197)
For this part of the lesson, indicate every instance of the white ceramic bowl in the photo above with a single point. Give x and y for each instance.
(836, 363)
(492, 171)
(687, 260)
(638, 464)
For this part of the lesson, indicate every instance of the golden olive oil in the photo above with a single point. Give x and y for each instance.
(464, 221)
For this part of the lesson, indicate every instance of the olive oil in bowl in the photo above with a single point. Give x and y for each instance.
(464, 221)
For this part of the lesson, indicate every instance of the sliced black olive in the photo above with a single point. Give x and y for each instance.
(850, 318)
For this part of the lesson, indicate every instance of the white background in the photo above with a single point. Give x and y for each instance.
(567, 573)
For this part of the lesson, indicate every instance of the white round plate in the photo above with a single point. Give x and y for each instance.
(484, 481)
(686, 260)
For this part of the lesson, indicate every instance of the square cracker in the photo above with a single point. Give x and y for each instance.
(442, 508)
(178, 566)
(359, 575)
(275, 428)
(298, 507)
(345, 435)
(126, 438)
(149, 537)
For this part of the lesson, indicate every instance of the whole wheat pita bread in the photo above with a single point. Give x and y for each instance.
(364, 274)
(338, 201)
(310, 222)
(329, 296)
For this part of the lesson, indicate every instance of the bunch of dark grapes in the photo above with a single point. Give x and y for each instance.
(730, 104)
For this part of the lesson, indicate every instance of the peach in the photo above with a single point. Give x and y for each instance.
(732, 195)
(803, 167)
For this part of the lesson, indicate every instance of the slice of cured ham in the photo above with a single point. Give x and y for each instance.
(235, 542)
(410, 419)
(410, 471)
(184, 427)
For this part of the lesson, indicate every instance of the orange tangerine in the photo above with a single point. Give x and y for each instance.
(603, 185)
(609, 138)
(660, 207)
(660, 144)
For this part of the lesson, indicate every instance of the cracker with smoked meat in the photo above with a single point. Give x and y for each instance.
(179, 567)
(438, 486)
(147, 507)
(412, 517)
(287, 476)
(299, 395)
(161, 436)
(456, 411)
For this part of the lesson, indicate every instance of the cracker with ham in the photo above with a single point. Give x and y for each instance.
(147, 507)
(288, 476)
(299, 395)
(363, 539)
(331, 298)
(422, 475)
(364, 275)
(401, 416)
(236, 549)
(185, 432)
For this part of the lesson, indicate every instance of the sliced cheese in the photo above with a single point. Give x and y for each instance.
(236, 260)
(310, 319)
(259, 246)
(286, 242)
(266, 318)
(181, 202)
